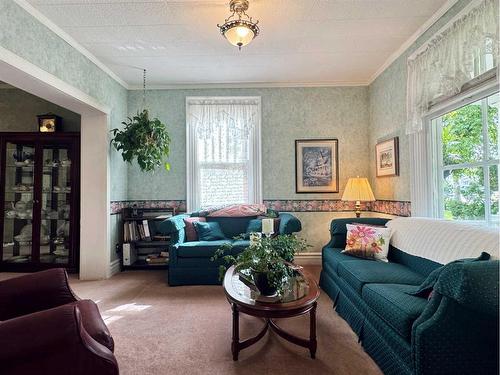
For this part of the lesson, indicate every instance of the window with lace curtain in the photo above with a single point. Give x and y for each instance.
(452, 127)
(223, 151)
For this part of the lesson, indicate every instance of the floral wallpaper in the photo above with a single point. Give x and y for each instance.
(178, 205)
(387, 108)
(25, 36)
(287, 114)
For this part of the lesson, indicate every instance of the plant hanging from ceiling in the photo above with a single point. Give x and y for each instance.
(144, 139)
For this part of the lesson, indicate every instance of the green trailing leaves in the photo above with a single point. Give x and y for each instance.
(145, 140)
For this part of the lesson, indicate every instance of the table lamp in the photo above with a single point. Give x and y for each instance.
(357, 190)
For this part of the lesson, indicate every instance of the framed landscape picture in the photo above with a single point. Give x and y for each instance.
(387, 157)
(316, 166)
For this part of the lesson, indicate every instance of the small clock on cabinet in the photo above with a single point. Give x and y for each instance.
(49, 123)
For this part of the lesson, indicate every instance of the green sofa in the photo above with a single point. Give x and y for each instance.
(189, 262)
(455, 331)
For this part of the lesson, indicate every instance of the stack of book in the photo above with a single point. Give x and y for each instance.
(161, 258)
(136, 231)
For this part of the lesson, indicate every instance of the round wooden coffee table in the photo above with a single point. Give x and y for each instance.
(299, 299)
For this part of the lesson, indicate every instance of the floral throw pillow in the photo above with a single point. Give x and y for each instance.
(367, 241)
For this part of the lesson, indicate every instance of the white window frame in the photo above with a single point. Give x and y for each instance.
(434, 145)
(255, 153)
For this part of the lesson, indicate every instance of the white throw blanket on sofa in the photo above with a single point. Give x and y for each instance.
(443, 240)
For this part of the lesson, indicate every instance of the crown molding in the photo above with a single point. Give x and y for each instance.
(68, 39)
(250, 85)
(421, 30)
(190, 85)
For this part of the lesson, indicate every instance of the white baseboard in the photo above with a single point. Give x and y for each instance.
(306, 259)
(114, 267)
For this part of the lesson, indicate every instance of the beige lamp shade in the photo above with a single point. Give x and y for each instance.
(358, 189)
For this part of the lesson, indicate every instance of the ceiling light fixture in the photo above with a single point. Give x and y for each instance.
(239, 28)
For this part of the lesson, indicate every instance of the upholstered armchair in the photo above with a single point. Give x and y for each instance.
(46, 329)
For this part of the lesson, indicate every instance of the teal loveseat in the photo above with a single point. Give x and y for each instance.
(454, 331)
(190, 263)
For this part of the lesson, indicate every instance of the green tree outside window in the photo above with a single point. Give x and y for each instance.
(463, 143)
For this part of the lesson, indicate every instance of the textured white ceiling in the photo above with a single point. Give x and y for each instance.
(301, 41)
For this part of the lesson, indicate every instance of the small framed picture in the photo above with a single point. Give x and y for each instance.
(316, 166)
(387, 157)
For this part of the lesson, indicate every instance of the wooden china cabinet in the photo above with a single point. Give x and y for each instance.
(40, 197)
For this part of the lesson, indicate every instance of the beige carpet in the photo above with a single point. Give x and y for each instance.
(187, 331)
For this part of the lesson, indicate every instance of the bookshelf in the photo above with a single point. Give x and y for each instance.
(144, 247)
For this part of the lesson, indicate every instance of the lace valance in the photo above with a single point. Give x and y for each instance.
(234, 116)
(466, 49)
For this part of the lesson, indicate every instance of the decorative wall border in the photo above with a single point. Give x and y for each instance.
(312, 205)
(398, 208)
(118, 206)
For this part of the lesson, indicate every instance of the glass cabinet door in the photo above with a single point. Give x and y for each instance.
(55, 204)
(19, 201)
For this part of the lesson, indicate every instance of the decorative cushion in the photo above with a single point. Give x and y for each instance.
(394, 306)
(367, 241)
(425, 289)
(254, 225)
(209, 231)
(231, 226)
(359, 272)
(338, 228)
(239, 210)
(191, 234)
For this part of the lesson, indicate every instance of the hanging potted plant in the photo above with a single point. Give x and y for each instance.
(144, 139)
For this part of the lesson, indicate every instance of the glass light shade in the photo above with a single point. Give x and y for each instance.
(239, 35)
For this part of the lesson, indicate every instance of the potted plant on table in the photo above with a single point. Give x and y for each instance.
(267, 260)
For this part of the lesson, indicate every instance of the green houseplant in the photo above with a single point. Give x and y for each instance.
(144, 139)
(266, 259)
